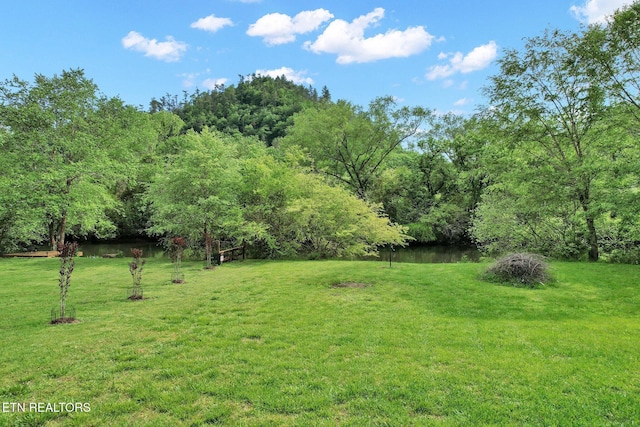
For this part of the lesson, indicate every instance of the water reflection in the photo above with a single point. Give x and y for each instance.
(413, 253)
(429, 254)
(122, 249)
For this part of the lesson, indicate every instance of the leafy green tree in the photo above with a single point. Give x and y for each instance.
(613, 49)
(66, 141)
(552, 154)
(299, 213)
(153, 139)
(434, 187)
(350, 144)
(195, 195)
(19, 214)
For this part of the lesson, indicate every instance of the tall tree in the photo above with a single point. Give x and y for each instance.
(66, 140)
(351, 144)
(194, 196)
(434, 187)
(549, 110)
(614, 49)
(298, 212)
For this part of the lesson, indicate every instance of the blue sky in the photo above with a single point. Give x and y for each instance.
(432, 53)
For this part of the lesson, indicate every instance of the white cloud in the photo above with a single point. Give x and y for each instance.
(212, 84)
(211, 23)
(297, 77)
(347, 40)
(596, 11)
(478, 59)
(461, 102)
(278, 28)
(169, 51)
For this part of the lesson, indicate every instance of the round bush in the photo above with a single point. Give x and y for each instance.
(520, 269)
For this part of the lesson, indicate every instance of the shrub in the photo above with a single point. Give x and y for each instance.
(520, 269)
(622, 256)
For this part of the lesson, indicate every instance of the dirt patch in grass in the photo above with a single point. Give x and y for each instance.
(64, 320)
(351, 285)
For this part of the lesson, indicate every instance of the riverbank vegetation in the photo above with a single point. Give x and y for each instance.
(322, 343)
(551, 165)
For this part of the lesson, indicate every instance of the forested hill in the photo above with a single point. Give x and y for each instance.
(259, 106)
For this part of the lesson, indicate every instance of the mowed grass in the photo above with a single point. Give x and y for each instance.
(273, 343)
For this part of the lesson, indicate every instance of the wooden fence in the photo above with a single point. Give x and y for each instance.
(231, 254)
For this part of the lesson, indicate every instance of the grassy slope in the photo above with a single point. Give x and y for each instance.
(272, 343)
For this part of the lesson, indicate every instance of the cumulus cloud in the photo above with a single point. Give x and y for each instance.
(297, 77)
(596, 11)
(479, 58)
(212, 84)
(169, 51)
(461, 102)
(278, 28)
(347, 40)
(211, 23)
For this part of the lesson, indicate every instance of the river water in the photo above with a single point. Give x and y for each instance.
(413, 253)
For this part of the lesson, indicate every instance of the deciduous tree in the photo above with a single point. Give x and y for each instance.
(350, 144)
(552, 153)
(66, 142)
(195, 196)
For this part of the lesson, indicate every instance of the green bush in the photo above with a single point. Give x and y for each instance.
(520, 269)
(622, 256)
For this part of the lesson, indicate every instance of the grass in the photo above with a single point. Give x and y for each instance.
(274, 343)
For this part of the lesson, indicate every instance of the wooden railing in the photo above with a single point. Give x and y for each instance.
(231, 254)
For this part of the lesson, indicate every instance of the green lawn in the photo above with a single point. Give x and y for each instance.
(273, 343)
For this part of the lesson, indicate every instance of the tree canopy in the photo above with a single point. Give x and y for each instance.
(351, 144)
(66, 142)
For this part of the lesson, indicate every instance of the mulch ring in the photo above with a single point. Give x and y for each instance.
(351, 285)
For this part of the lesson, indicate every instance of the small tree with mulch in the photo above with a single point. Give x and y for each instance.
(67, 264)
(135, 268)
(177, 246)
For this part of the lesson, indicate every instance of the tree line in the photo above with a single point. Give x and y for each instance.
(550, 165)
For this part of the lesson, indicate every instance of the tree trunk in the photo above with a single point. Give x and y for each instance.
(52, 236)
(593, 239)
(592, 236)
(62, 229)
(208, 246)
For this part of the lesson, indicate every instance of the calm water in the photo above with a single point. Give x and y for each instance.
(123, 249)
(430, 254)
(416, 254)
